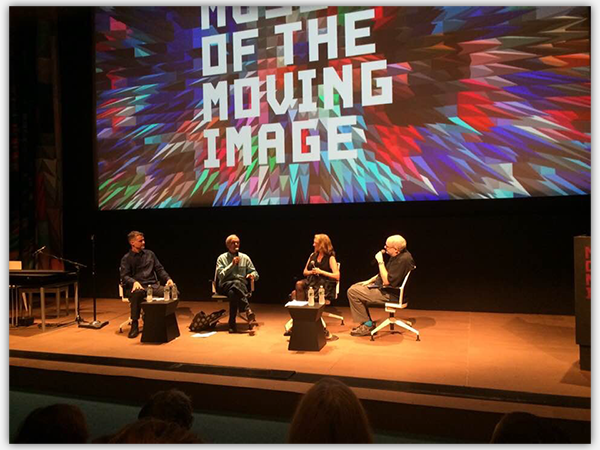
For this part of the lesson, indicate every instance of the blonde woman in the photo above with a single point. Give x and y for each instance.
(321, 270)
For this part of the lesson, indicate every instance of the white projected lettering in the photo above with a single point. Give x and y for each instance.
(244, 98)
(242, 139)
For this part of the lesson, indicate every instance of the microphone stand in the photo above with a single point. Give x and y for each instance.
(78, 266)
(95, 324)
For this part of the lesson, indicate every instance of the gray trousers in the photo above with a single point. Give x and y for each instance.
(360, 297)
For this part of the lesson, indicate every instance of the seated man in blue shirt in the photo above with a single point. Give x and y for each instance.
(373, 291)
(139, 269)
(234, 269)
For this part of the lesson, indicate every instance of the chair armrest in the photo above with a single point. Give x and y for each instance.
(124, 297)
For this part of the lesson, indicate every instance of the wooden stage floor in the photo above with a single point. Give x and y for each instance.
(471, 362)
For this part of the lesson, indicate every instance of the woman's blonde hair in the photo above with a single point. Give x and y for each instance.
(324, 244)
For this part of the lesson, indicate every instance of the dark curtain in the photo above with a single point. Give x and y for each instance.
(36, 196)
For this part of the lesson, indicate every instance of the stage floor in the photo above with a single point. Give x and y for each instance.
(465, 361)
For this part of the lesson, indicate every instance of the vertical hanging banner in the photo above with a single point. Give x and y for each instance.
(583, 298)
(230, 106)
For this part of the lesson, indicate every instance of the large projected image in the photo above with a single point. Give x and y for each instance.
(230, 106)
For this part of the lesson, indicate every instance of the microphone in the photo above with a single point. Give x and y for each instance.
(39, 250)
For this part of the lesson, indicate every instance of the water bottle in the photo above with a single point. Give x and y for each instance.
(167, 295)
(311, 296)
(321, 295)
(149, 293)
(174, 292)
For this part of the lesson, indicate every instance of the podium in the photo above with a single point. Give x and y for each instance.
(160, 323)
(308, 333)
(582, 246)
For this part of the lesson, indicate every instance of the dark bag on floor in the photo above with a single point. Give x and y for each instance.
(204, 322)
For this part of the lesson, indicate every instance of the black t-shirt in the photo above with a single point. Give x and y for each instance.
(397, 268)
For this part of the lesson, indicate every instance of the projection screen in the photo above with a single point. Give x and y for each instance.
(230, 106)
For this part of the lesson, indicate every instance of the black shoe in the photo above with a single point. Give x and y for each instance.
(232, 329)
(248, 316)
(133, 333)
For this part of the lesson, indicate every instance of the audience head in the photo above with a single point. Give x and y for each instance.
(526, 428)
(54, 424)
(172, 406)
(154, 431)
(232, 243)
(330, 413)
(322, 244)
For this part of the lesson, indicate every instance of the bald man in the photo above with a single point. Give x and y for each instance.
(234, 269)
(373, 291)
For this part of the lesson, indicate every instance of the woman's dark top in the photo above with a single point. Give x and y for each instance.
(321, 280)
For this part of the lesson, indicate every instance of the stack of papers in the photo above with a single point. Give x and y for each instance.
(204, 335)
(296, 303)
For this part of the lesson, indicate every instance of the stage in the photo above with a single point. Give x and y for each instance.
(465, 372)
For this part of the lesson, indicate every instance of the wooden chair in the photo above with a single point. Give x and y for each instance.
(27, 293)
(392, 307)
(15, 305)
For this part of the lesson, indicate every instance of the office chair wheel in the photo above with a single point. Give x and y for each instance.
(418, 338)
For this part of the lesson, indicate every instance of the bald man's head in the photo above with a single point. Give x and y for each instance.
(396, 241)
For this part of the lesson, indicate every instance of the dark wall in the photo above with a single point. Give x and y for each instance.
(500, 255)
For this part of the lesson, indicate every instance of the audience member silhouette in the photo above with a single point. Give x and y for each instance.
(172, 405)
(54, 424)
(526, 428)
(154, 431)
(330, 413)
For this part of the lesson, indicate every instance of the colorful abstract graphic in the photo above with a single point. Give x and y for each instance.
(215, 106)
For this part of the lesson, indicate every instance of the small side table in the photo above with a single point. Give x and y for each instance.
(160, 323)
(308, 333)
